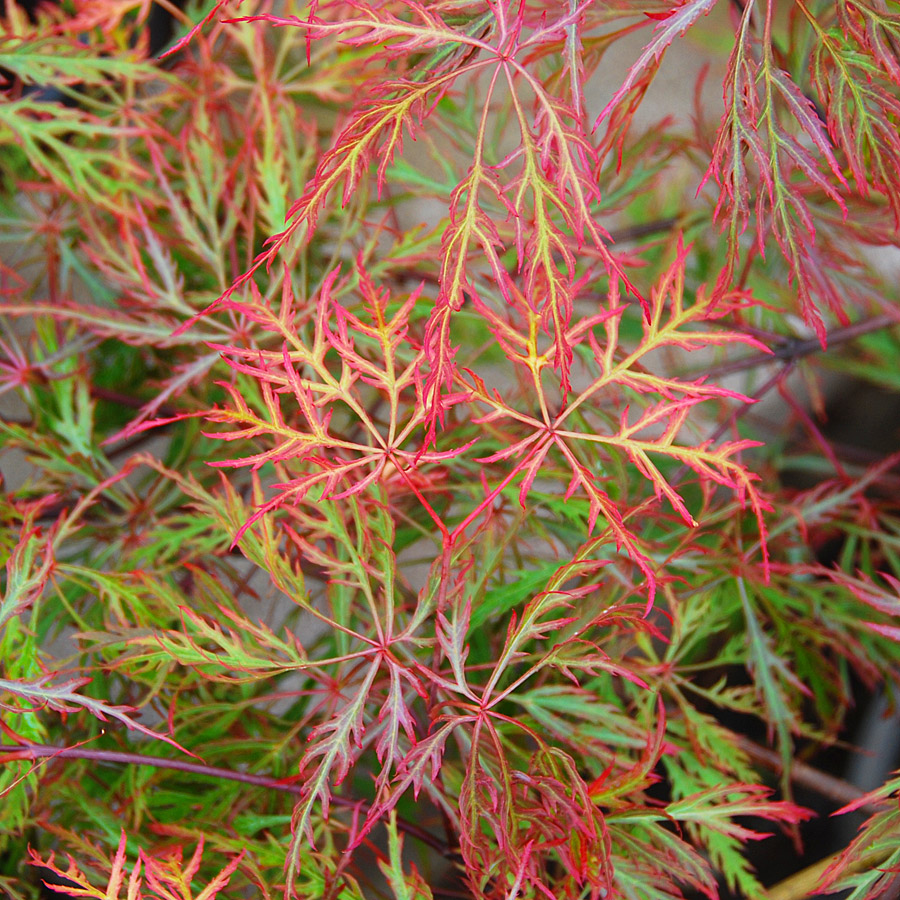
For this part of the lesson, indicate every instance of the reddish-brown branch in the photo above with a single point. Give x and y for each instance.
(44, 751)
(738, 413)
(809, 777)
(791, 351)
(117, 397)
(645, 229)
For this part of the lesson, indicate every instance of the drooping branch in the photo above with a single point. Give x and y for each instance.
(809, 777)
(13, 752)
(791, 351)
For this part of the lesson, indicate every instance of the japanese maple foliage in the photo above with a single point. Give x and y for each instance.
(393, 515)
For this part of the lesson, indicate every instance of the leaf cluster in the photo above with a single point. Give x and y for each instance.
(349, 554)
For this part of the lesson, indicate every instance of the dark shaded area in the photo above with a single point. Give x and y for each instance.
(862, 425)
(159, 25)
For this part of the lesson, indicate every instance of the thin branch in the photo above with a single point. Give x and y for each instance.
(738, 413)
(810, 777)
(791, 351)
(164, 410)
(46, 751)
(645, 229)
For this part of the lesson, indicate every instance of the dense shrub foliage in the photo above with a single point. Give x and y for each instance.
(417, 477)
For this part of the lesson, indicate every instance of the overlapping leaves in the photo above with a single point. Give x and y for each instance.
(651, 434)
(546, 187)
(300, 390)
(152, 876)
(525, 703)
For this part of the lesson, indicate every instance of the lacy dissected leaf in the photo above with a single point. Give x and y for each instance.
(468, 225)
(506, 812)
(64, 697)
(375, 131)
(883, 597)
(170, 877)
(173, 243)
(405, 885)
(29, 564)
(857, 78)
(709, 817)
(540, 618)
(540, 824)
(373, 357)
(76, 883)
(234, 651)
(161, 877)
(63, 61)
(642, 843)
(109, 16)
(653, 433)
(365, 711)
(421, 766)
(546, 188)
(787, 166)
(640, 834)
(358, 24)
(517, 823)
(868, 866)
(375, 127)
(671, 24)
(328, 758)
(556, 183)
(67, 146)
(708, 753)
